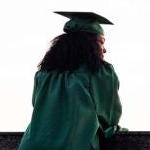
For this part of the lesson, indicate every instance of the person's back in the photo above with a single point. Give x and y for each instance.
(73, 106)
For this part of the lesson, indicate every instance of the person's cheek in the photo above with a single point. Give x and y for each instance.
(103, 49)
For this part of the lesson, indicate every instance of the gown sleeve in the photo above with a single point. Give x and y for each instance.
(35, 84)
(104, 91)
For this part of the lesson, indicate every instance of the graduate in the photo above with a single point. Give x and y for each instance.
(75, 95)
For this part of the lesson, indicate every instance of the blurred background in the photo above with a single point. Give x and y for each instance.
(28, 26)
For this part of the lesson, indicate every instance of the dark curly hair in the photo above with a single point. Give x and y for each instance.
(69, 50)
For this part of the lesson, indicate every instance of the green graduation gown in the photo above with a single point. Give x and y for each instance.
(70, 107)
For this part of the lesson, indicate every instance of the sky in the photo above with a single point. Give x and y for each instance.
(28, 26)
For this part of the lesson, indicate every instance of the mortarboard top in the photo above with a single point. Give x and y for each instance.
(84, 21)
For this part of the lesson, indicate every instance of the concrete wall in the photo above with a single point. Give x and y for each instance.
(121, 141)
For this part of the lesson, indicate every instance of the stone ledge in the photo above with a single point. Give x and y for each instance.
(133, 140)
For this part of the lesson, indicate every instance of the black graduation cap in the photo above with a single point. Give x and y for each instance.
(84, 21)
